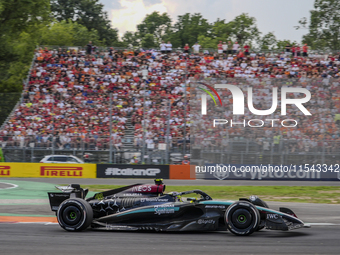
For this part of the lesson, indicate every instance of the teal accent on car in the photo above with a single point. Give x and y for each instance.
(143, 211)
(216, 202)
(269, 210)
(231, 202)
(136, 211)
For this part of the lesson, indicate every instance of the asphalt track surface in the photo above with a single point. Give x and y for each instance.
(42, 238)
(51, 239)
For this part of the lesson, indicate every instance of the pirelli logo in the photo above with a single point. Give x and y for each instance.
(5, 171)
(71, 171)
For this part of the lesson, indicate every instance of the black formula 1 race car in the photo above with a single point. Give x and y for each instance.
(146, 207)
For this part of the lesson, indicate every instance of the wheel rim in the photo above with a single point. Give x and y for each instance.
(241, 218)
(71, 215)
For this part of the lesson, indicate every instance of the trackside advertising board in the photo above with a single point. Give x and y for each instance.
(270, 172)
(182, 172)
(47, 170)
(132, 171)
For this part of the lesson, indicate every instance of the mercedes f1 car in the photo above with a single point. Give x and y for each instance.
(146, 207)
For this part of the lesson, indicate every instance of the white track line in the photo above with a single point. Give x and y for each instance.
(14, 185)
(45, 223)
(322, 224)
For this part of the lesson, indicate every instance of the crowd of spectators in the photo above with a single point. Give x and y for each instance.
(66, 103)
(319, 74)
(319, 132)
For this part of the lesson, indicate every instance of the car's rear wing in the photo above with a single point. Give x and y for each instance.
(71, 191)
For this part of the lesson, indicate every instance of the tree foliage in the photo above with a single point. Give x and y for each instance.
(220, 31)
(155, 24)
(7, 102)
(148, 41)
(88, 13)
(268, 41)
(243, 29)
(207, 41)
(18, 17)
(323, 26)
(281, 44)
(131, 39)
(68, 34)
(189, 27)
(19, 28)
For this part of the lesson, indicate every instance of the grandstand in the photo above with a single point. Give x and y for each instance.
(119, 105)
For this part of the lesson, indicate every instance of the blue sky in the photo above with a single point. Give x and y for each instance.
(278, 16)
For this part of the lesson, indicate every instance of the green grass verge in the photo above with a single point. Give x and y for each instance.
(302, 194)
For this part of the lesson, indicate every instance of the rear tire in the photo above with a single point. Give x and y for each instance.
(242, 218)
(75, 214)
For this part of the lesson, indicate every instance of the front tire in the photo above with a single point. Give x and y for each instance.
(255, 200)
(242, 218)
(75, 214)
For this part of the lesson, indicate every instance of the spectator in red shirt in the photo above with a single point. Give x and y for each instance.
(246, 49)
(305, 50)
(186, 48)
(240, 55)
(293, 49)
